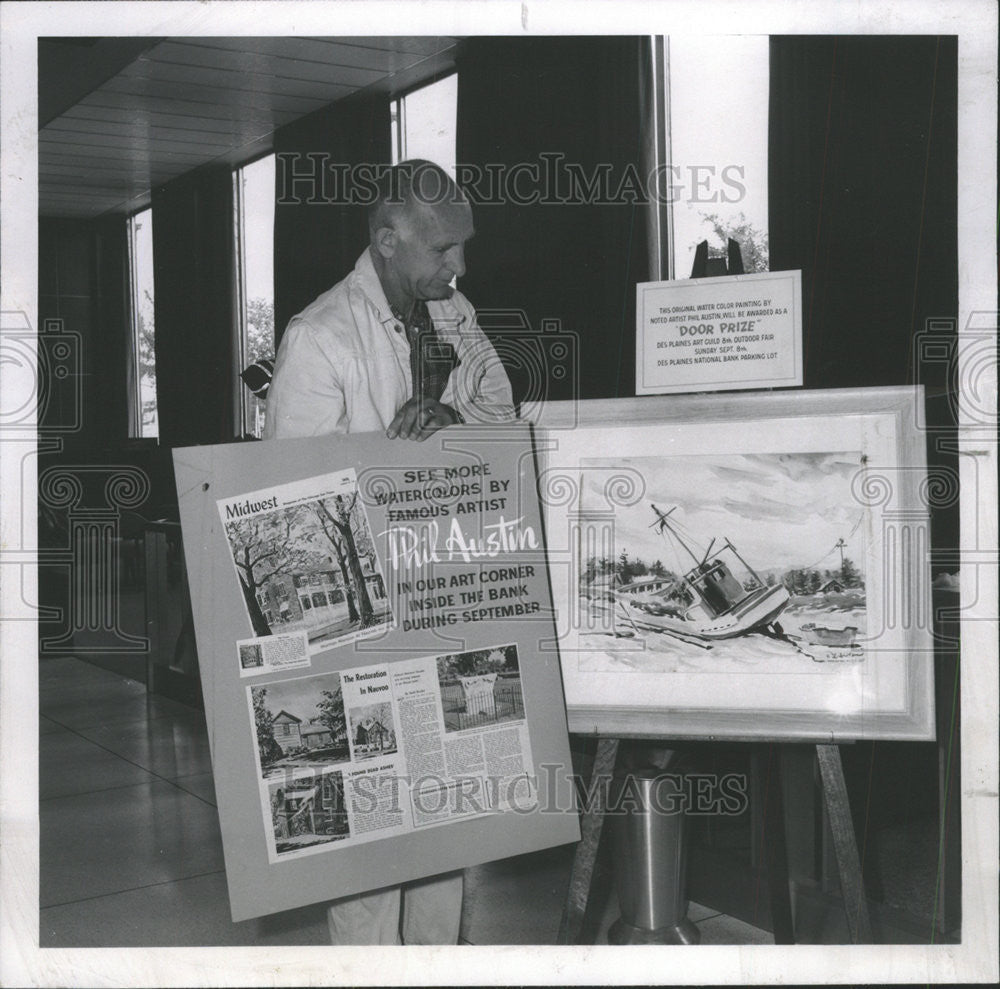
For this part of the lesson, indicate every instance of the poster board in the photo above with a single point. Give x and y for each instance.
(369, 616)
(777, 579)
(719, 334)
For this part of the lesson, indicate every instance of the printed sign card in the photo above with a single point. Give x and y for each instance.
(376, 646)
(719, 334)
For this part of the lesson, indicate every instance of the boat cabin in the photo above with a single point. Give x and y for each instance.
(718, 589)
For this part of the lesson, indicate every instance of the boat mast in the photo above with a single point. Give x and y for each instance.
(664, 524)
(753, 572)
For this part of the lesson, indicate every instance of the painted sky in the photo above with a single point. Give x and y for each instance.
(779, 510)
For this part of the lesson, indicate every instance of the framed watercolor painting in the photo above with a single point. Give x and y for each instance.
(742, 567)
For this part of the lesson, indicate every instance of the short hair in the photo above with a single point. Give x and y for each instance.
(411, 183)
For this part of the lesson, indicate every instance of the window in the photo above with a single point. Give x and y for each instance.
(424, 124)
(143, 420)
(253, 204)
(717, 106)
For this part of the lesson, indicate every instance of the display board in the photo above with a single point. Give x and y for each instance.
(370, 616)
(742, 567)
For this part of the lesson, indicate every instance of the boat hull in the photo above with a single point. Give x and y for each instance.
(756, 611)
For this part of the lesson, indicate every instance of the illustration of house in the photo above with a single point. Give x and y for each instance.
(376, 586)
(371, 733)
(833, 586)
(647, 584)
(317, 736)
(289, 596)
(287, 732)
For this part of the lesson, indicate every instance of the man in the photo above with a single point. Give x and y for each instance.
(394, 347)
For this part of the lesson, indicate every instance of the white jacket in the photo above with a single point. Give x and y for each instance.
(344, 363)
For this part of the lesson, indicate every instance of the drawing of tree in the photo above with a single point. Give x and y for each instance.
(478, 661)
(262, 547)
(331, 713)
(146, 356)
(264, 722)
(343, 524)
(849, 575)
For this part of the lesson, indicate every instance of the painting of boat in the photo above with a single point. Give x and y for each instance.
(707, 602)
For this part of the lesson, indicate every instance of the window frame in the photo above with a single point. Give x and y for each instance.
(659, 119)
(243, 398)
(241, 410)
(398, 106)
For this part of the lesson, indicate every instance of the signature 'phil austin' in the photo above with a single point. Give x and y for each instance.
(415, 546)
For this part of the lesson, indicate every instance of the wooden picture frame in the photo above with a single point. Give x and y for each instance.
(778, 489)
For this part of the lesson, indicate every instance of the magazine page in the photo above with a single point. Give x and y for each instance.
(304, 560)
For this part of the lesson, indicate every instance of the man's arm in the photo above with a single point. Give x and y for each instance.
(306, 397)
(492, 400)
(420, 418)
(478, 390)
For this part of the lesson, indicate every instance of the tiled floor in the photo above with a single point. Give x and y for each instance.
(130, 847)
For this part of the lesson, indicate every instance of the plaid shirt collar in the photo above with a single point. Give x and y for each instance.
(431, 359)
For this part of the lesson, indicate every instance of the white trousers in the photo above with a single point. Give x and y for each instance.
(432, 911)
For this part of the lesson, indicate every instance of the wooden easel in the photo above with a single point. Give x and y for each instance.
(776, 856)
(766, 775)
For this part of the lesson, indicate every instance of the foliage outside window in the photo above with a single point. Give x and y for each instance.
(143, 421)
(253, 197)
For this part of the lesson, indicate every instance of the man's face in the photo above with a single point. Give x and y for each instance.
(430, 251)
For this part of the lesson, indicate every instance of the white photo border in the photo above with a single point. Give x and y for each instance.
(974, 960)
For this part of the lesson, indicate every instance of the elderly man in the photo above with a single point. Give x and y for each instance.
(394, 347)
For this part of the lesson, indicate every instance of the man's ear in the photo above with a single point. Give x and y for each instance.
(385, 242)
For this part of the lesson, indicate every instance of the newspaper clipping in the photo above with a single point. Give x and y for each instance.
(376, 751)
(305, 560)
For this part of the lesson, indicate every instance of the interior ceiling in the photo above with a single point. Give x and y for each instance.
(121, 116)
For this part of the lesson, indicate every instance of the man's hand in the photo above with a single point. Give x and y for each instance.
(419, 418)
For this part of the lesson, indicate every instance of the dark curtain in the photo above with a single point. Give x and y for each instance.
(318, 231)
(862, 189)
(526, 102)
(193, 267)
(862, 193)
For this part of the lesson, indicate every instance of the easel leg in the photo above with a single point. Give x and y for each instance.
(767, 767)
(845, 844)
(591, 826)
